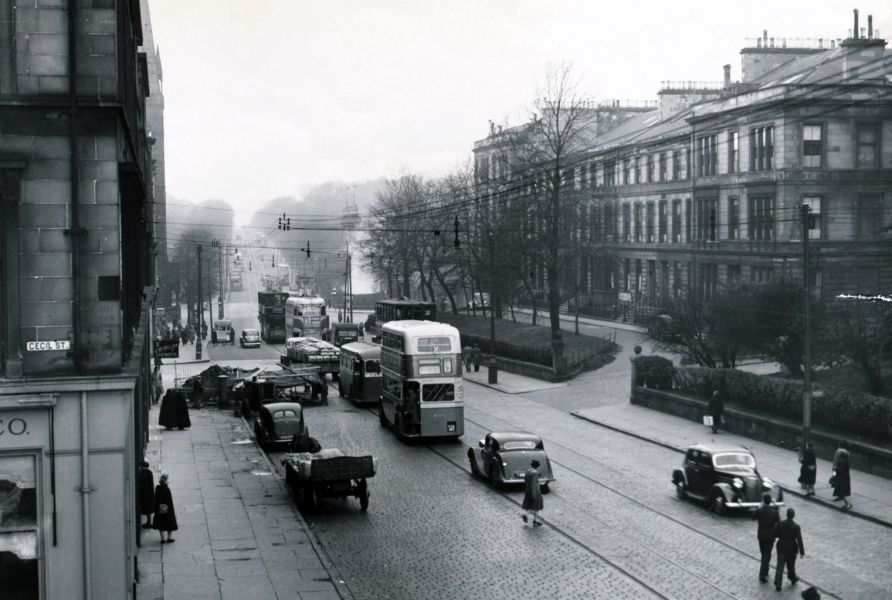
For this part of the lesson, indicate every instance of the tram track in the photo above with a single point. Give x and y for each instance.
(463, 466)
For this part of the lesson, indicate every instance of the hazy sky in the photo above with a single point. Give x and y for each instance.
(267, 97)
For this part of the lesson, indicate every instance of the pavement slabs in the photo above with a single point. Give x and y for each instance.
(240, 535)
(871, 495)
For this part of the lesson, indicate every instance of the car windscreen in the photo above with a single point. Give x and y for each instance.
(519, 445)
(734, 459)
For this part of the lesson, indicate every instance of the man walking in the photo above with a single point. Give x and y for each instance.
(768, 518)
(789, 542)
(716, 409)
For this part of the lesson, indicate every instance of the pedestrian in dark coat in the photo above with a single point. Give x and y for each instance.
(809, 469)
(532, 495)
(174, 413)
(841, 480)
(165, 520)
(466, 355)
(789, 543)
(476, 355)
(146, 493)
(716, 410)
(768, 517)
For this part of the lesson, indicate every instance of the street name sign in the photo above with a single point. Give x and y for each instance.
(48, 345)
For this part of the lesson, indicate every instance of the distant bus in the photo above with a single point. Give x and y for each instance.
(400, 309)
(422, 395)
(283, 272)
(271, 314)
(305, 317)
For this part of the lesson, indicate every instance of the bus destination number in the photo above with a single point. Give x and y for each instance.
(16, 426)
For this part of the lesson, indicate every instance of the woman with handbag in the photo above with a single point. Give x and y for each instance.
(841, 482)
(808, 472)
(165, 519)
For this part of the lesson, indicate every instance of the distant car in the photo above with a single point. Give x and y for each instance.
(480, 300)
(223, 332)
(278, 422)
(250, 338)
(504, 457)
(662, 328)
(725, 476)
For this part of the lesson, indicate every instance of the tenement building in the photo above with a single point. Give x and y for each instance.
(75, 291)
(707, 188)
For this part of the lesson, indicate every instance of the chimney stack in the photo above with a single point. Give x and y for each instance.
(727, 76)
(855, 28)
(870, 26)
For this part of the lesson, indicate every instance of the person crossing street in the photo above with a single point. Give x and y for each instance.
(768, 517)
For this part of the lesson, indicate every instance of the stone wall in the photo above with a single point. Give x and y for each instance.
(866, 456)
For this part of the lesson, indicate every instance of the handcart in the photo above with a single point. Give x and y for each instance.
(328, 474)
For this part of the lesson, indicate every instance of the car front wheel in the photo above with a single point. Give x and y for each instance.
(681, 489)
(718, 504)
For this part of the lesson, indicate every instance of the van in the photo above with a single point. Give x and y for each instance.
(223, 332)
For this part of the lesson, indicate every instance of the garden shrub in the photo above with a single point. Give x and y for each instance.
(654, 372)
(841, 409)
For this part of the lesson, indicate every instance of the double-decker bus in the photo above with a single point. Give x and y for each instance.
(422, 395)
(271, 315)
(400, 309)
(305, 317)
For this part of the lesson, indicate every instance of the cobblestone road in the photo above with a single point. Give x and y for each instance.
(615, 528)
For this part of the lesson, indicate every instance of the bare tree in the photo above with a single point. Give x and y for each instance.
(546, 151)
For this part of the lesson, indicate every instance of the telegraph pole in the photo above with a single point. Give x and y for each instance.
(493, 369)
(806, 393)
(220, 298)
(200, 309)
(210, 297)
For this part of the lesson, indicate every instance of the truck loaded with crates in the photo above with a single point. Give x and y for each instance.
(271, 314)
(312, 351)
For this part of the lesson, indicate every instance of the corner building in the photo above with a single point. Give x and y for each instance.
(705, 189)
(76, 275)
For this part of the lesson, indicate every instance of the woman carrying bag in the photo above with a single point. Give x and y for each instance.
(809, 470)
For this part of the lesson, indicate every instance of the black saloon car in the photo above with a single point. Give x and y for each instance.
(278, 423)
(724, 476)
(504, 457)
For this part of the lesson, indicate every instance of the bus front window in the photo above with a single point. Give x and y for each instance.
(438, 392)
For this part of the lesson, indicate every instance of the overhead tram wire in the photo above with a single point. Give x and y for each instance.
(803, 97)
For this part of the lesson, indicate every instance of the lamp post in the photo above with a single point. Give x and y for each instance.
(806, 392)
(200, 309)
(493, 369)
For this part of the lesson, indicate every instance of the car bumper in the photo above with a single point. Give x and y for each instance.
(251, 344)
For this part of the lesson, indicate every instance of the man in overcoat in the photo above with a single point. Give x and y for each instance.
(789, 543)
(716, 410)
(146, 493)
(768, 517)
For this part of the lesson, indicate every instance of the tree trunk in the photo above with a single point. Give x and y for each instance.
(436, 273)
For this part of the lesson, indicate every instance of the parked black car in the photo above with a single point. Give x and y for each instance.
(278, 422)
(724, 476)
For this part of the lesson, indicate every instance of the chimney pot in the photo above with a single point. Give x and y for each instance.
(855, 28)
(765, 35)
(870, 26)
(727, 76)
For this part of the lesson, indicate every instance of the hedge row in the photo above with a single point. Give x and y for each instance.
(524, 342)
(654, 372)
(844, 410)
